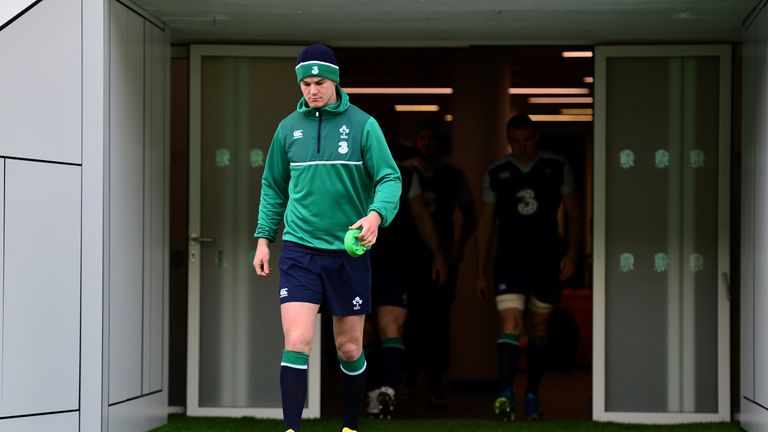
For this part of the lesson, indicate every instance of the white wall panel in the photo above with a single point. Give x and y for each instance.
(40, 83)
(66, 422)
(41, 307)
(126, 203)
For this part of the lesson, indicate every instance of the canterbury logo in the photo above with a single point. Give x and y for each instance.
(298, 134)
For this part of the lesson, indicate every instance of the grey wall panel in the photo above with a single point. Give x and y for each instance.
(754, 253)
(155, 200)
(761, 215)
(40, 83)
(66, 422)
(126, 203)
(753, 417)
(2, 261)
(140, 414)
(9, 11)
(95, 115)
(41, 308)
(748, 217)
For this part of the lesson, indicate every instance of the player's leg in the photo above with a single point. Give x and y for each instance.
(348, 335)
(438, 341)
(390, 295)
(298, 330)
(544, 296)
(511, 308)
(511, 283)
(390, 321)
(416, 328)
(300, 298)
(536, 353)
(347, 283)
(372, 352)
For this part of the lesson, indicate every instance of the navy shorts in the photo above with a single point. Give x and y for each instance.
(391, 276)
(538, 276)
(337, 282)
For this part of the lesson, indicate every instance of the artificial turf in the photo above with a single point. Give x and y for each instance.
(179, 423)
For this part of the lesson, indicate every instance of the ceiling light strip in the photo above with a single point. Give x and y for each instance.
(577, 111)
(560, 117)
(550, 100)
(552, 91)
(420, 108)
(575, 54)
(398, 90)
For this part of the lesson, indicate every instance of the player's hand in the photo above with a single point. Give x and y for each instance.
(481, 289)
(439, 270)
(568, 266)
(261, 258)
(369, 228)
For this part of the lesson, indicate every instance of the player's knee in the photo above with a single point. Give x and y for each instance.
(539, 332)
(348, 347)
(390, 329)
(349, 351)
(298, 342)
(511, 321)
(538, 326)
(513, 326)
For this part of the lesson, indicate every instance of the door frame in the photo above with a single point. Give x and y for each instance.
(312, 410)
(602, 53)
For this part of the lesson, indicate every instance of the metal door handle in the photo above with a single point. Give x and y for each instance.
(727, 285)
(202, 239)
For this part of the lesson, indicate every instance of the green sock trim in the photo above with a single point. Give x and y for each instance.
(508, 338)
(353, 367)
(295, 359)
(539, 342)
(393, 342)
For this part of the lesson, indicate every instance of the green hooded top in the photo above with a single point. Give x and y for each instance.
(326, 168)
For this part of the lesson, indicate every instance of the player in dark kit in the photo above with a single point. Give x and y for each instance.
(523, 193)
(392, 266)
(428, 330)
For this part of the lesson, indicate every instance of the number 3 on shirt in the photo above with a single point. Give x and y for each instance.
(528, 206)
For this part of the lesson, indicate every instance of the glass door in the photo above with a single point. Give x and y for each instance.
(662, 234)
(238, 95)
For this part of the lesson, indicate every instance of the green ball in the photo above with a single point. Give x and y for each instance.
(352, 244)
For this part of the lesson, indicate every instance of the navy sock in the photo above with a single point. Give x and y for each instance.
(352, 390)
(536, 356)
(508, 354)
(392, 353)
(293, 387)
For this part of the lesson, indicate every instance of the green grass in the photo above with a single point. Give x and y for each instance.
(179, 423)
